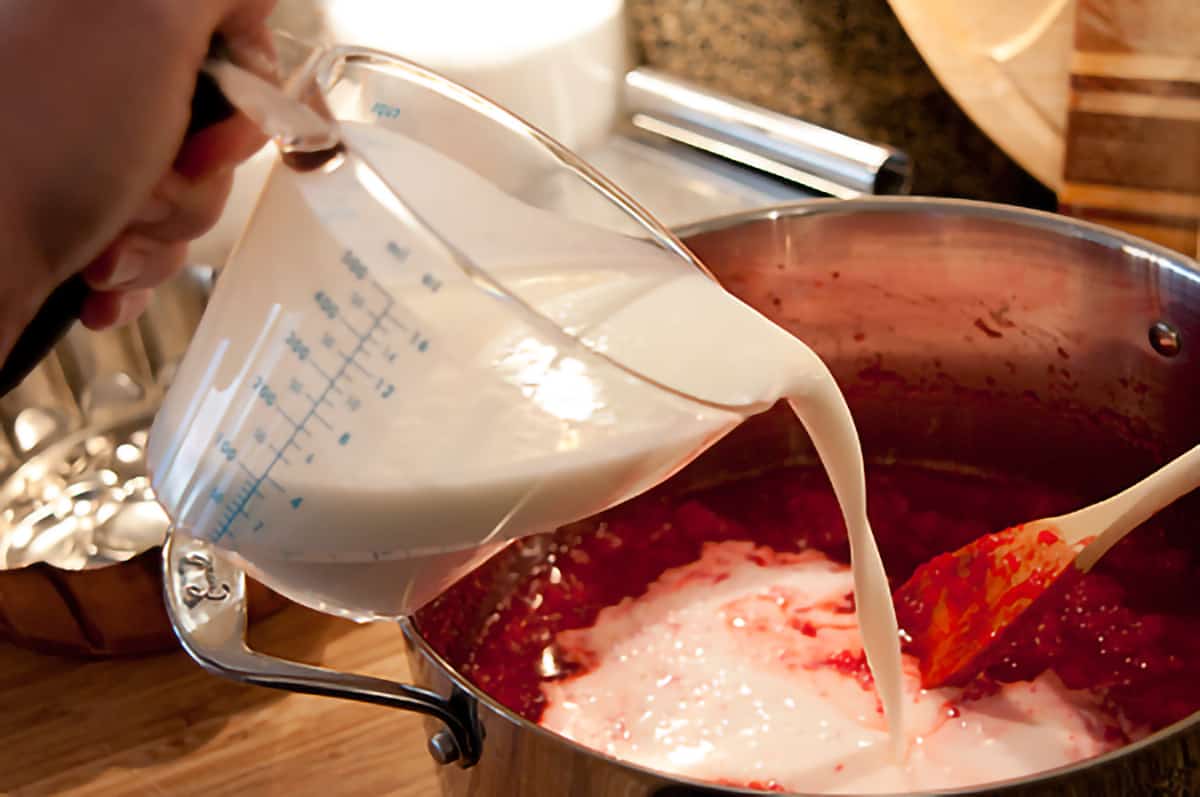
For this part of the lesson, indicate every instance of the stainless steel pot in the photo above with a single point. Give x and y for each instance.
(965, 335)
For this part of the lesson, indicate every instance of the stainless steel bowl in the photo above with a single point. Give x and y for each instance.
(966, 335)
(79, 525)
(72, 436)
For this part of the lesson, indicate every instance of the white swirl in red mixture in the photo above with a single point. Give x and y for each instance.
(746, 667)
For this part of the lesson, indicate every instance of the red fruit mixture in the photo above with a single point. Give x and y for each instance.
(1131, 628)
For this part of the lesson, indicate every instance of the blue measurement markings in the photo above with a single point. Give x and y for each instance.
(334, 388)
(385, 110)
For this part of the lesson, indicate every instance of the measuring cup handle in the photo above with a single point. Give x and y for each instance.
(205, 595)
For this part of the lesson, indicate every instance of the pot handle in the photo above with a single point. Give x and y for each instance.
(205, 595)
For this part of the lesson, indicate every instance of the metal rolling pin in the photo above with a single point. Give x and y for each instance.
(820, 159)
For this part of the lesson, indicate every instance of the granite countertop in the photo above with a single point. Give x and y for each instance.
(844, 64)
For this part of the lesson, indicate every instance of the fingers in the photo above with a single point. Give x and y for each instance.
(222, 146)
(134, 263)
(181, 209)
(122, 279)
(116, 300)
(151, 247)
(242, 23)
(244, 28)
(245, 17)
(106, 309)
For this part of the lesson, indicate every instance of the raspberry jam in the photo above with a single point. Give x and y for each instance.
(1130, 629)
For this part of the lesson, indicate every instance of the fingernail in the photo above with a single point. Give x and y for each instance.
(130, 263)
(195, 157)
(154, 211)
(253, 50)
(133, 304)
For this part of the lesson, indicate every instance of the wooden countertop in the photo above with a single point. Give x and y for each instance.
(162, 726)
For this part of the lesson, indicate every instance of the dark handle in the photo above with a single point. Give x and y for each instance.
(61, 309)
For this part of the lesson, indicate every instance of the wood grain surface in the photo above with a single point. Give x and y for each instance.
(1005, 62)
(1132, 154)
(162, 726)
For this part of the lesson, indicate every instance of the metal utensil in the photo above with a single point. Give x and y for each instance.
(782, 146)
(926, 241)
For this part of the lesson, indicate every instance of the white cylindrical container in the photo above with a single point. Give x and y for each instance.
(559, 65)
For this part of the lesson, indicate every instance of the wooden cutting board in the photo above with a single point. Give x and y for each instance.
(1132, 143)
(1005, 63)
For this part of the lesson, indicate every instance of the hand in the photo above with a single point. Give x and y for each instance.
(97, 176)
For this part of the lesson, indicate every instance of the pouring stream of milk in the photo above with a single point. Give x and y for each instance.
(625, 298)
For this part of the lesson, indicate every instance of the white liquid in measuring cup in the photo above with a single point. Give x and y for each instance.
(361, 422)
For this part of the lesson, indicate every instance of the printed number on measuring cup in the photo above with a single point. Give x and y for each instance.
(397, 251)
(263, 391)
(354, 265)
(297, 346)
(327, 305)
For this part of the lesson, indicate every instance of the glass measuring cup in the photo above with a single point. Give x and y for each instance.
(409, 360)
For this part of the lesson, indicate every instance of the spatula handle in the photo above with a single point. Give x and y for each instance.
(1111, 520)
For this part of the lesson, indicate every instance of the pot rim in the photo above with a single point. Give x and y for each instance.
(1175, 262)
(1108, 237)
